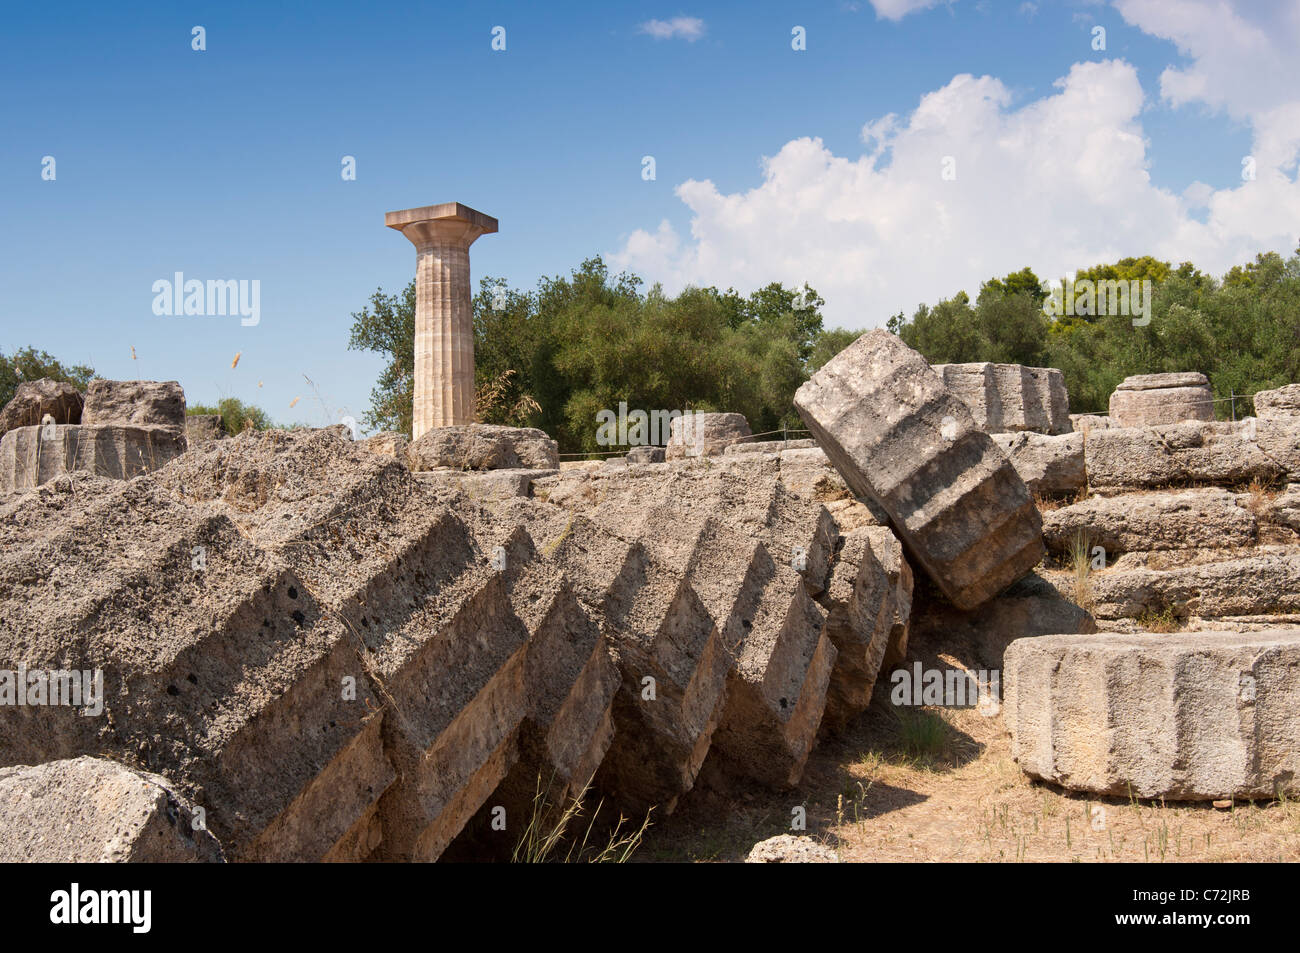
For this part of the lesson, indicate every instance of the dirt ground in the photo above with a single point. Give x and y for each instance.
(932, 784)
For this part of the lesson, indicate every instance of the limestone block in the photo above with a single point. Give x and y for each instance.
(1009, 398)
(484, 447)
(1183, 716)
(1199, 518)
(705, 435)
(33, 455)
(90, 811)
(898, 435)
(135, 403)
(1193, 452)
(1049, 465)
(33, 400)
(1153, 400)
(1282, 402)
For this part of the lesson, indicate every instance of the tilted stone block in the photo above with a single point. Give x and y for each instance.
(1186, 716)
(1008, 398)
(869, 603)
(898, 435)
(219, 667)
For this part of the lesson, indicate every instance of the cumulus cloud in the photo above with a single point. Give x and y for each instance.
(897, 9)
(1057, 183)
(688, 28)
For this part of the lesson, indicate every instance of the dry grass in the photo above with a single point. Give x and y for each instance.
(491, 398)
(1080, 561)
(872, 800)
(1260, 498)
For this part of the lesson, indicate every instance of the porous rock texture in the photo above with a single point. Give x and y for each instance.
(1152, 400)
(1188, 716)
(1282, 402)
(338, 659)
(484, 447)
(33, 400)
(705, 434)
(1194, 452)
(788, 849)
(900, 437)
(1010, 398)
(92, 811)
(1049, 465)
(135, 404)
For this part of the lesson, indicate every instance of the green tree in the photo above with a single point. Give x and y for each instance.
(236, 416)
(387, 326)
(29, 364)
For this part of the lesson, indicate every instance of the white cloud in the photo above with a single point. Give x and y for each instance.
(688, 28)
(1056, 183)
(897, 9)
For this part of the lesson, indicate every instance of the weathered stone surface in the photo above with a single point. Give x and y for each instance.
(33, 400)
(219, 667)
(899, 436)
(770, 446)
(1008, 398)
(388, 444)
(91, 811)
(1263, 581)
(788, 849)
(487, 484)
(705, 435)
(1186, 716)
(807, 472)
(869, 606)
(1153, 400)
(1082, 423)
(1282, 402)
(1194, 452)
(135, 404)
(1205, 517)
(201, 427)
(645, 455)
(484, 447)
(33, 455)
(1049, 465)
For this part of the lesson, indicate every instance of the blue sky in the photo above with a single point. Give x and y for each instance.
(225, 163)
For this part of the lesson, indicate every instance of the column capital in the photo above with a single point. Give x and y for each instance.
(449, 222)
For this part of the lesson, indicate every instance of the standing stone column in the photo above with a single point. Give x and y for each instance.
(444, 321)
